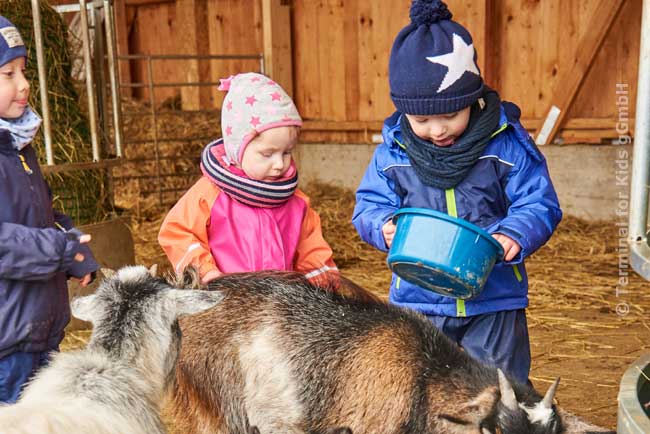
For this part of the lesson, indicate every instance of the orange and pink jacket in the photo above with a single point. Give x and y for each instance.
(212, 231)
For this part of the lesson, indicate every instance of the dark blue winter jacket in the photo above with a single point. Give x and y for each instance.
(507, 191)
(36, 256)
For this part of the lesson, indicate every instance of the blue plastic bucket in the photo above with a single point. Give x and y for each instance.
(444, 254)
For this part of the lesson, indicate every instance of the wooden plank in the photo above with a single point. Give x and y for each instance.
(235, 27)
(342, 125)
(366, 65)
(307, 62)
(616, 63)
(122, 45)
(573, 78)
(492, 44)
(577, 123)
(351, 58)
(332, 71)
(278, 57)
(145, 2)
(194, 40)
(599, 127)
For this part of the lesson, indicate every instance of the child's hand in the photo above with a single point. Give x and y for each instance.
(388, 230)
(84, 281)
(79, 257)
(209, 276)
(510, 246)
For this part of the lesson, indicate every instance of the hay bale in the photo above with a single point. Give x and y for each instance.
(80, 194)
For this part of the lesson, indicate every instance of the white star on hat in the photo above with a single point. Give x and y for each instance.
(461, 59)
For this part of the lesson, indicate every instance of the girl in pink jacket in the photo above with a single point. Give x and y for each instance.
(246, 212)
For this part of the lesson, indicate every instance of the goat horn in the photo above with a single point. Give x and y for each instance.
(508, 397)
(153, 270)
(547, 402)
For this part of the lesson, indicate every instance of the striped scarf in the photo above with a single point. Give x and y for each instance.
(234, 182)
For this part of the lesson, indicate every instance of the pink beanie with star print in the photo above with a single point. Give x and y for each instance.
(254, 104)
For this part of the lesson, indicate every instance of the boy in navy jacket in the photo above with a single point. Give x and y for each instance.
(39, 248)
(455, 147)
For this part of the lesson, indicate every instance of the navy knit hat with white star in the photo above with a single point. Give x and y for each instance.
(11, 44)
(432, 68)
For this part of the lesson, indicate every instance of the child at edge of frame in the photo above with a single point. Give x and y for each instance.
(455, 147)
(39, 247)
(246, 212)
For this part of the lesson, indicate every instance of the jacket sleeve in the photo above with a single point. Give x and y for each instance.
(314, 254)
(376, 203)
(534, 210)
(184, 232)
(28, 253)
(77, 269)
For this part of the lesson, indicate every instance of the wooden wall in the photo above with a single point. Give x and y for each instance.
(340, 51)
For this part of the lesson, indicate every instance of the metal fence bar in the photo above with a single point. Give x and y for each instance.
(164, 175)
(638, 214)
(112, 72)
(42, 81)
(162, 158)
(141, 85)
(99, 43)
(152, 100)
(172, 112)
(90, 87)
(163, 190)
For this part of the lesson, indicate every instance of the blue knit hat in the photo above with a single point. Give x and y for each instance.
(432, 67)
(11, 44)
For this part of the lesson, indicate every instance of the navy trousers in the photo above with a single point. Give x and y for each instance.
(15, 370)
(498, 339)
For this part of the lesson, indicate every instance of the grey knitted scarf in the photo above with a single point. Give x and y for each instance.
(445, 167)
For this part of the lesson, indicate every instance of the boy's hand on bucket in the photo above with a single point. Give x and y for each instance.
(510, 246)
(388, 230)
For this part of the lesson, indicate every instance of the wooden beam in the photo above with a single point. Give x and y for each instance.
(278, 58)
(571, 80)
(589, 124)
(122, 42)
(194, 39)
(491, 47)
(342, 125)
(145, 2)
(579, 123)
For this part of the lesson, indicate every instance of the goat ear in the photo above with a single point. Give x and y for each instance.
(469, 417)
(84, 307)
(187, 302)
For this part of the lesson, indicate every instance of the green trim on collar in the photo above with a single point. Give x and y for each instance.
(501, 128)
(400, 144)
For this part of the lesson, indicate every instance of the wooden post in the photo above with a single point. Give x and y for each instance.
(122, 42)
(193, 38)
(573, 77)
(491, 44)
(278, 60)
